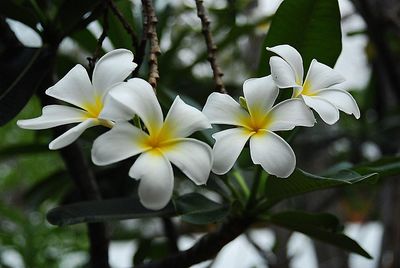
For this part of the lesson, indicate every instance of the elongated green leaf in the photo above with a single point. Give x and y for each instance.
(386, 167)
(104, 210)
(301, 182)
(311, 26)
(193, 208)
(197, 209)
(321, 226)
(21, 72)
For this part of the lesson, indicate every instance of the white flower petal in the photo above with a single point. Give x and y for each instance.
(183, 120)
(52, 116)
(112, 68)
(342, 100)
(282, 73)
(113, 110)
(223, 109)
(326, 110)
(260, 94)
(321, 76)
(292, 57)
(74, 88)
(156, 179)
(192, 157)
(121, 142)
(72, 134)
(289, 114)
(228, 145)
(272, 153)
(137, 95)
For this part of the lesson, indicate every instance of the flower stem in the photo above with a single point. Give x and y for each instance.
(255, 186)
(239, 178)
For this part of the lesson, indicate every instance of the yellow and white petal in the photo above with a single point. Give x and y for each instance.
(182, 120)
(292, 57)
(326, 110)
(282, 73)
(260, 95)
(54, 115)
(320, 76)
(75, 87)
(194, 158)
(137, 96)
(223, 109)
(72, 134)
(122, 141)
(112, 68)
(113, 110)
(273, 153)
(228, 145)
(289, 114)
(342, 100)
(156, 179)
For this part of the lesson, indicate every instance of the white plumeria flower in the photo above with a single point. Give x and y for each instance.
(256, 123)
(316, 90)
(164, 142)
(91, 98)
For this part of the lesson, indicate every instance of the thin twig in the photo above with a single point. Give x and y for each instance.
(150, 23)
(96, 54)
(211, 47)
(124, 23)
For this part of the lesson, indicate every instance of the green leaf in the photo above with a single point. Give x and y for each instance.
(22, 149)
(301, 182)
(193, 208)
(386, 167)
(197, 209)
(71, 13)
(22, 71)
(311, 26)
(19, 12)
(104, 210)
(321, 226)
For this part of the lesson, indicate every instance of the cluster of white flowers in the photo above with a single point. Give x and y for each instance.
(111, 102)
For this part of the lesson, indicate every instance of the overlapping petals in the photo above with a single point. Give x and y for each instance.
(256, 122)
(316, 90)
(165, 142)
(88, 97)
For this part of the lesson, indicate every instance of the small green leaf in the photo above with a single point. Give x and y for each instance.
(385, 167)
(301, 182)
(310, 26)
(321, 226)
(243, 103)
(196, 208)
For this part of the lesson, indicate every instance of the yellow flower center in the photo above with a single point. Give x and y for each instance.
(305, 90)
(257, 121)
(160, 141)
(94, 108)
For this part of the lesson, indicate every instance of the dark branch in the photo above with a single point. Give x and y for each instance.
(171, 234)
(206, 248)
(150, 23)
(211, 47)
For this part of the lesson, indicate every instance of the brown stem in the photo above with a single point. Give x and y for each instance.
(211, 47)
(150, 23)
(206, 248)
(171, 234)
